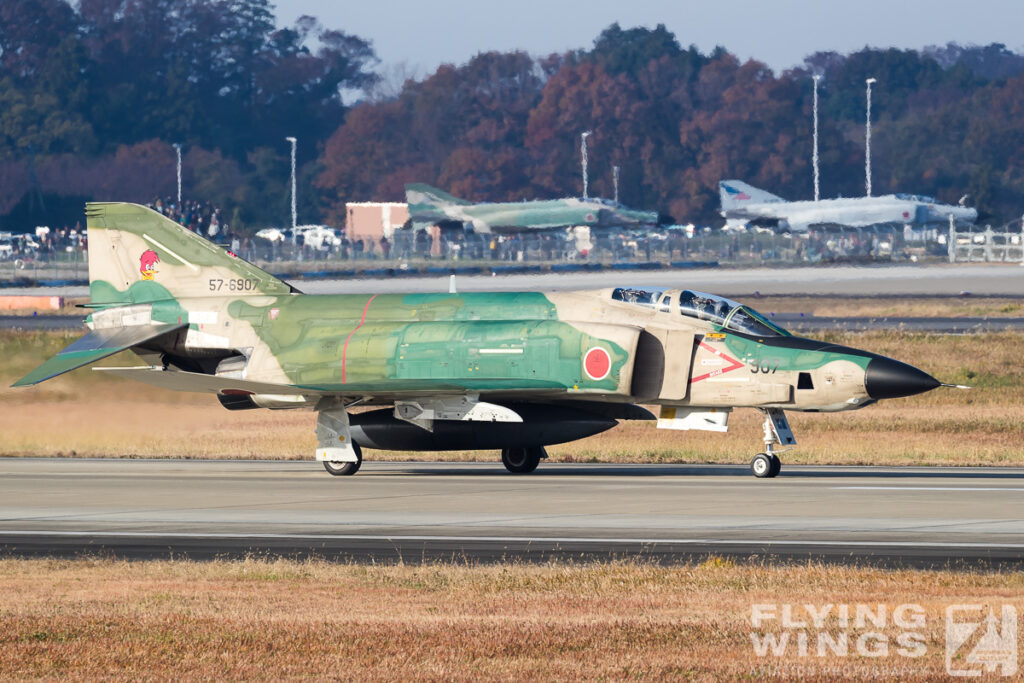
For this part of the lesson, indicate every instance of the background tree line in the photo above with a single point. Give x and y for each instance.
(92, 96)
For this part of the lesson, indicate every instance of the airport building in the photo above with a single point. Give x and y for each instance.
(373, 220)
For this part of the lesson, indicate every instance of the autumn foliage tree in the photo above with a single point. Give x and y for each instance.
(676, 121)
(93, 94)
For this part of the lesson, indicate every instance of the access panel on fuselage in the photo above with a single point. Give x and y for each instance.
(493, 355)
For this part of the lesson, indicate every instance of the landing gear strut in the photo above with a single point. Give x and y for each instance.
(335, 447)
(776, 431)
(522, 460)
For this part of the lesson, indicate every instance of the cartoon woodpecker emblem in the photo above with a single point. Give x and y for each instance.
(147, 264)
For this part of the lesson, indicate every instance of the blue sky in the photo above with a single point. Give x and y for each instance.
(779, 32)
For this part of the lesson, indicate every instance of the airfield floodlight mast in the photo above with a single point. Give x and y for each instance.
(294, 217)
(867, 140)
(177, 148)
(615, 182)
(583, 158)
(814, 158)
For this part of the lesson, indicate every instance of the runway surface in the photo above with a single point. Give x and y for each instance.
(412, 512)
(949, 279)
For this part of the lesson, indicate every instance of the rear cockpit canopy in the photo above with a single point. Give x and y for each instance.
(717, 310)
(657, 298)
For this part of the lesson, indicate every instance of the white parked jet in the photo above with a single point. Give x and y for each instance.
(744, 204)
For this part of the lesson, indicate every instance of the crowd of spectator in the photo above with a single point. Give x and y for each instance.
(44, 244)
(199, 217)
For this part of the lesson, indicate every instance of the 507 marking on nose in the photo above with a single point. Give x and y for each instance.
(764, 365)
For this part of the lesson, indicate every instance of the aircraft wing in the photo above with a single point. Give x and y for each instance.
(179, 380)
(95, 345)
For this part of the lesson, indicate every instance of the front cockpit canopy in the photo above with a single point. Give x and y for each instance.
(728, 314)
(717, 310)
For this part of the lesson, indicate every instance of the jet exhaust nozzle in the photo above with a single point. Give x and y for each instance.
(888, 378)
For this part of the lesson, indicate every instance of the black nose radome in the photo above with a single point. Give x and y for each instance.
(888, 378)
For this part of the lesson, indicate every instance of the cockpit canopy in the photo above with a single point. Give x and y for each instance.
(916, 198)
(716, 310)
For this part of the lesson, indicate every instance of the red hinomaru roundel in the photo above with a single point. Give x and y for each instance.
(597, 363)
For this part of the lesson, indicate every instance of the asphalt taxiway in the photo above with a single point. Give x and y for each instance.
(412, 512)
(980, 279)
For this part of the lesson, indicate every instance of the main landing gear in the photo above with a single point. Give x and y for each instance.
(340, 455)
(341, 469)
(776, 431)
(522, 460)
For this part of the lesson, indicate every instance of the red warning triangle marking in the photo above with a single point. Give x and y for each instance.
(733, 363)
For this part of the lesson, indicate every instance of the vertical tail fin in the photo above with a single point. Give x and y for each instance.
(419, 193)
(428, 203)
(137, 255)
(735, 194)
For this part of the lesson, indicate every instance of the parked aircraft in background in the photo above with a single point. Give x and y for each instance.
(742, 204)
(511, 371)
(428, 205)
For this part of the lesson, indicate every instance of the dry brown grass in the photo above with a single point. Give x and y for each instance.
(87, 619)
(878, 307)
(86, 414)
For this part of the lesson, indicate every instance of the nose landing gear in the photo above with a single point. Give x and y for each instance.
(765, 465)
(776, 431)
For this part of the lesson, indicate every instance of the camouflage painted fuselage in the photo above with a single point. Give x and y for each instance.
(430, 205)
(207, 321)
(508, 345)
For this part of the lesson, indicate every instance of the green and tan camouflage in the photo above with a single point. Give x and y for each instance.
(514, 371)
(429, 205)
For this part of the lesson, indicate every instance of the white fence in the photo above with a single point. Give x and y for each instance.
(988, 246)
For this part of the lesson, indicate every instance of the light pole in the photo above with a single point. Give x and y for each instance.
(814, 159)
(615, 181)
(294, 220)
(177, 148)
(867, 140)
(583, 158)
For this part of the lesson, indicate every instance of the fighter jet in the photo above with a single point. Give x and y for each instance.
(428, 205)
(510, 371)
(743, 204)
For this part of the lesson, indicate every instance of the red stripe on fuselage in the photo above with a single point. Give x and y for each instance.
(344, 351)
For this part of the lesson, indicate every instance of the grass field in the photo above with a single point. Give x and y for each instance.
(88, 619)
(85, 414)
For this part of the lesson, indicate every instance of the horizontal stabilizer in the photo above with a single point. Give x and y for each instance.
(179, 380)
(94, 346)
